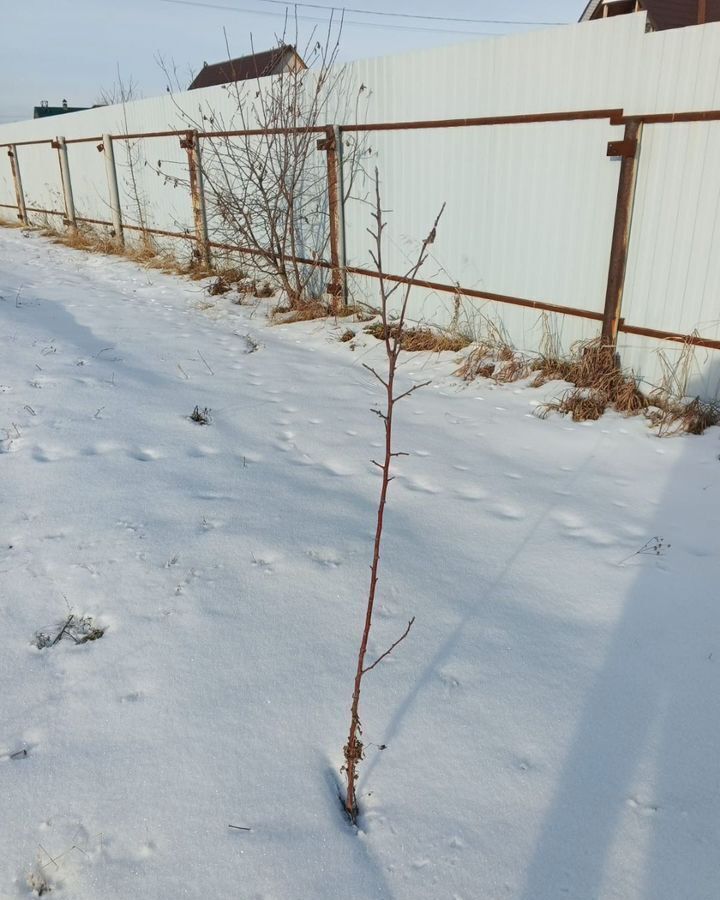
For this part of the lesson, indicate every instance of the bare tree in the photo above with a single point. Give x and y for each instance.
(393, 333)
(265, 175)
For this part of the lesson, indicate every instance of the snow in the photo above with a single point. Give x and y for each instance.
(551, 722)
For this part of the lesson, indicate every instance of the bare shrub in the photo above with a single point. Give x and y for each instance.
(266, 180)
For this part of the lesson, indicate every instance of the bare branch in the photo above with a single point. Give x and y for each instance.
(411, 390)
(391, 647)
(379, 377)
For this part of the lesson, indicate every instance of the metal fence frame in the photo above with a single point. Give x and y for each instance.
(330, 141)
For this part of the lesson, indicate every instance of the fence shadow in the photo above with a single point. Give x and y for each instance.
(638, 783)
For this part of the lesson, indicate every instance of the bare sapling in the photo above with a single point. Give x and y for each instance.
(392, 336)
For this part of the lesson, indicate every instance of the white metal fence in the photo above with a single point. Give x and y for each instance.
(530, 206)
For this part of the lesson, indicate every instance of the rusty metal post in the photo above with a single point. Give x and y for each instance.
(191, 144)
(331, 145)
(629, 150)
(702, 12)
(107, 148)
(341, 234)
(61, 147)
(17, 180)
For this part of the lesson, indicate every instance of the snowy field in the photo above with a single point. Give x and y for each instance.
(551, 724)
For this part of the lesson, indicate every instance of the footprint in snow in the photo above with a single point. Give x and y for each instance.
(327, 558)
(419, 486)
(144, 454)
(49, 454)
(450, 682)
(472, 492)
(201, 451)
(507, 511)
(100, 449)
(337, 468)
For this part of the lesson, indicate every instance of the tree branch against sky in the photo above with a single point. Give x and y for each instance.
(76, 47)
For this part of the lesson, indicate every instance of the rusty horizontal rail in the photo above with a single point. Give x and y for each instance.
(174, 234)
(93, 221)
(47, 212)
(706, 115)
(148, 134)
(250, 251)
(257, 132)
(83, 140)
(614, 115)
(481, 295)
(692, 339)
(27, 143)
(8, 205)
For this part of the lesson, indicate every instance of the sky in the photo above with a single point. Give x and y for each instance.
(73, 49)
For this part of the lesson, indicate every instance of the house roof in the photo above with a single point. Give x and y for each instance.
(245, 68)
(664, 14)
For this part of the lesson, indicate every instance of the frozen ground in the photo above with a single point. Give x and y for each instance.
(551, 724)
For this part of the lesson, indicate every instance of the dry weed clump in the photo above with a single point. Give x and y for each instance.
(501, 363)
(494, 356)
(310, 310)
(599, 382)
(673, 417)
(84, 239)
(416, 340)
(230, 279)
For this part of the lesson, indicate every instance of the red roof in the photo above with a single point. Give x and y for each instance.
(665, 14)
(245, 68)
(662, 14)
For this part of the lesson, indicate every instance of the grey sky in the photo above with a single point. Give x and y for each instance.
(55, 49)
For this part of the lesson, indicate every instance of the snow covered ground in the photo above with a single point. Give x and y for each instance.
(551, 724)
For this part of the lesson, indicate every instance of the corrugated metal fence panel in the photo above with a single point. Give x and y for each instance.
(7, 186)
(89, 184)
(529, 211)
(42, 183)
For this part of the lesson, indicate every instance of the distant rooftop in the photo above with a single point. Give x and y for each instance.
(662, 14)
(246, 68)
(44, 110)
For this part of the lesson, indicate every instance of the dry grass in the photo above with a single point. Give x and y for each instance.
(598, 383)
(84, 239)
(228, 279)
(579, 403)
(494, 356)
(306, 312)
(417, 340)
(691, 417)
(346, 336)
(310, 310)
(15, 223)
